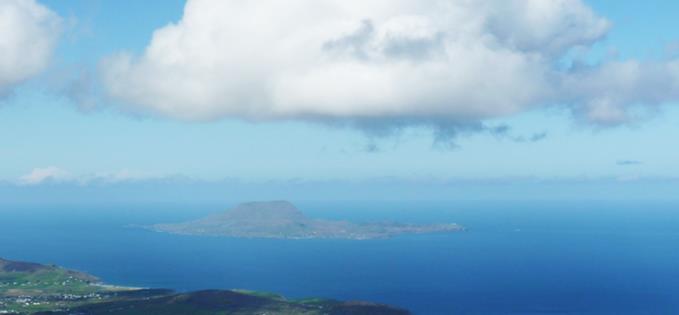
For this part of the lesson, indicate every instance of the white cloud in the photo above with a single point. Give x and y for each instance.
(28, 36)
(41, 175)
(443, 63)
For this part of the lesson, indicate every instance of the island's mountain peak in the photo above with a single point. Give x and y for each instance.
(275, 205)
(271, 203)
(264, 210)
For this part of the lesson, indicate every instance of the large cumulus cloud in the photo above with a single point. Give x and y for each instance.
(28, 35)
(446, 63)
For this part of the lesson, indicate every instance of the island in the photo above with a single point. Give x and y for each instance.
(30, 288)
(281, 219)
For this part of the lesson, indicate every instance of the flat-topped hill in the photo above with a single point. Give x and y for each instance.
(272, 212)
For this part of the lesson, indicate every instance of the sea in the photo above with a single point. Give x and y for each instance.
(516, 257)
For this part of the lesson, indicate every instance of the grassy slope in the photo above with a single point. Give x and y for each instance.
(45, 282)
(28, 288)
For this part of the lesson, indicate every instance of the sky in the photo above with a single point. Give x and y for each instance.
(519, 92)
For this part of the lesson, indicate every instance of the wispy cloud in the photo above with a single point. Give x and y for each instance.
(41, 175)
(629, 162)
(123, 175)
(53, 174)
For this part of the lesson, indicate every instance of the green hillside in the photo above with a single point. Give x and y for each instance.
(28, 288)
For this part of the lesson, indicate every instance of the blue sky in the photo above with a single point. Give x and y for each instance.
(41, 127)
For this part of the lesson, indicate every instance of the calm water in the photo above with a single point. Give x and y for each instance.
(516, 258)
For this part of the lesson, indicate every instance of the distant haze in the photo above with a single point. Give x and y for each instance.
(229, 191)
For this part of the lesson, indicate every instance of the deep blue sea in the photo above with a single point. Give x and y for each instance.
(515, 258)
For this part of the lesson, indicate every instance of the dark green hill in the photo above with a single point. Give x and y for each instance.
(230, 302)
(16, 266)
